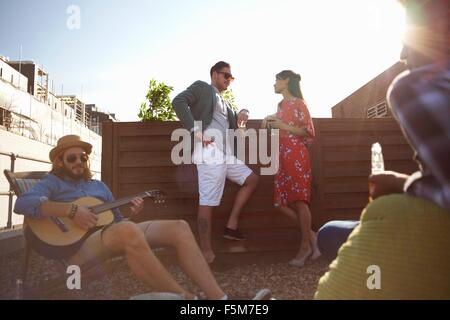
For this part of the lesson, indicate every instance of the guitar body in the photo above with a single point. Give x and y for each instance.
(63, 238)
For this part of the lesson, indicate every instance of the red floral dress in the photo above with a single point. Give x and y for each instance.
(293, 179)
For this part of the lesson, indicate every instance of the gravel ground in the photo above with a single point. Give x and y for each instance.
(285, 281)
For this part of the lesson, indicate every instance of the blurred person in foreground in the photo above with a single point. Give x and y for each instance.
(400, 247)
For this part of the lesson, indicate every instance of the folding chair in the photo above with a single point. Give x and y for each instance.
(20, 183)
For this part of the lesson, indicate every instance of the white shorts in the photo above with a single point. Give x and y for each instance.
(212, 176)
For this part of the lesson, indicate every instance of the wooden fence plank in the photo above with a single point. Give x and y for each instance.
(107, 150)
(363, 153)
(356, 125)
(355, 140)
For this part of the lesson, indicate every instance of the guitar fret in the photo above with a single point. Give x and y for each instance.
(118, 203)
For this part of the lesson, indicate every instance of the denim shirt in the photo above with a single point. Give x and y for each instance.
(52, 188)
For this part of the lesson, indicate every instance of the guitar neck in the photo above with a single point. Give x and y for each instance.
(117, 203)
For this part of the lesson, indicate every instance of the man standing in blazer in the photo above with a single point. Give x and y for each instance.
(213, 153)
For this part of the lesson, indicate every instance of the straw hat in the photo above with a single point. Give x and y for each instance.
(67, 142)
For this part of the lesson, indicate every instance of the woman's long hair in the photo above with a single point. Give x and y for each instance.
(294, 82)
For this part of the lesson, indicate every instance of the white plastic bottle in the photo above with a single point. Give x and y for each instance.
(377, 158)
(377, 162)
(19, 290)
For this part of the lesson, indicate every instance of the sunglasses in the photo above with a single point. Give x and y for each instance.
(71, 158)
(226, 75)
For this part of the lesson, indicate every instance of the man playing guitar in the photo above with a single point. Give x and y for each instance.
(70, 179)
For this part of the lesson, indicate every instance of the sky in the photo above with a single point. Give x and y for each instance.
(106, 51)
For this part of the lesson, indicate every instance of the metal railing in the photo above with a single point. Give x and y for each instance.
(10, 193)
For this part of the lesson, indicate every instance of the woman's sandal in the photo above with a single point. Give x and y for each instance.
(300, 262)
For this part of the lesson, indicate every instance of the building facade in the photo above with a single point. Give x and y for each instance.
(369, 101)
(98, 117)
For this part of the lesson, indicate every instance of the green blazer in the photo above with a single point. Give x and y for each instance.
(196, 103)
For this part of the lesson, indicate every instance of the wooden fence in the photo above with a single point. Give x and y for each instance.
(137, 156)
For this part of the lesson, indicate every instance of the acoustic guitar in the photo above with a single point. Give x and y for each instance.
(59, 237)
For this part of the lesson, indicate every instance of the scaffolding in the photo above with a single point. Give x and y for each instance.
(41, 84)
(78, 107)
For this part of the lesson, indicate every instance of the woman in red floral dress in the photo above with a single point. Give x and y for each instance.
(292, 187)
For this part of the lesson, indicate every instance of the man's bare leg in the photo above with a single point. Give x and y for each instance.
(242, 197)
(127, 237)
(178, 234)
(204, 225)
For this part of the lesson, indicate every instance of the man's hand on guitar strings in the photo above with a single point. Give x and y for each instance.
(84, 218)
(137, 206)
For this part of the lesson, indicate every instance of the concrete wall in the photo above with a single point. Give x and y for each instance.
(19, 80)
(41, 122)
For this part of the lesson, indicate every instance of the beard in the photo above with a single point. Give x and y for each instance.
(65, 171)
(75, 176)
